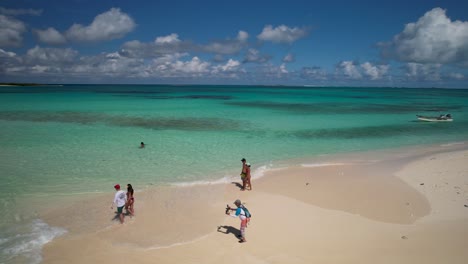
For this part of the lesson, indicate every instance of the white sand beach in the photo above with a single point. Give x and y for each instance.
(398, 206)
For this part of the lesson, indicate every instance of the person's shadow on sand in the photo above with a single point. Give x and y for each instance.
(229, 230)
(237, 184)
(116, 217)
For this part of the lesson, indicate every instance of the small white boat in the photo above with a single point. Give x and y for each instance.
(441, 118)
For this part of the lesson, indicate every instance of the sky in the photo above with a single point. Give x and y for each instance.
(411, 43)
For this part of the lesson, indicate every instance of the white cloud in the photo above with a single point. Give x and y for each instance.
(283, 69)
(171, 44)
(50, 36)
(423, 72)
(137, 49)
(288, 58)
(193, 66)
(313, 73)
(108, 65)
(11, 31)
(375, 72)
(434, 38)
(15, 12)
(168, 58)
(229, 66)
(242, 36)
(6, 54)
(50, 56)
(254, 55)
(41, 69)
(172, 38)
(106, 26)
(366, 70)
(349, 69)
(456, 76)
(282, 34)
(271, 73)
(228, 46)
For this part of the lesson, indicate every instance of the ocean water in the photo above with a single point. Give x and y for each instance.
(76, 140)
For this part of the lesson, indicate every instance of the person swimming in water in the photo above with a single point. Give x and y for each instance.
(142, 145)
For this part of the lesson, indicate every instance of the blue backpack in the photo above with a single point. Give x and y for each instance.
(246, 211)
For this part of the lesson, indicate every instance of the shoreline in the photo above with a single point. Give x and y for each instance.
(326, 207)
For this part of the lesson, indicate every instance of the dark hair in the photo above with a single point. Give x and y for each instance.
(129, 188)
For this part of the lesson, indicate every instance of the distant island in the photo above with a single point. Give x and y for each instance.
(28, 84)
(21, 84)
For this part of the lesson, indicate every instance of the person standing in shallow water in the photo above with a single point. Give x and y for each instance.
(130, 200)
(120, 199)
(142, 145)
(244, 173)
(248, 183)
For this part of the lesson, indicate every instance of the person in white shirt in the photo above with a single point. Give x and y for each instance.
(120, 199)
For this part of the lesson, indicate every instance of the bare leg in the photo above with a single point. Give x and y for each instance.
(242, 229)
(132, 211)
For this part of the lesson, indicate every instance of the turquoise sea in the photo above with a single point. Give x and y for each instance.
(79, 140)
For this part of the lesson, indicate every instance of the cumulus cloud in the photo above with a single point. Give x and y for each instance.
(6, 54)
(313, 73)
(229, 66)
(423, 72)
(270, 73)
(50, 36)
(53, 56)
(16, 12)
(225, 47)
(374, 72)
(228, 46)
(289, 58)
(106, 26)
(40, 62)
(349, 69)
(434, 38)
(254, 55)
(164, 46)
(242, 36)
(11, 31)
(172, 38)
(456, 76)
(193, 66)
(282, 34)
(282, 68)
(172, 44)
(366, 70)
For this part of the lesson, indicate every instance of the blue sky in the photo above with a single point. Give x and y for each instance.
(323, 43)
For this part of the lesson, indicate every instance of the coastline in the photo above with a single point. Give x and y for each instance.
(394, 206)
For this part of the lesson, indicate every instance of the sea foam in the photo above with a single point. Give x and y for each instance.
(25, 242)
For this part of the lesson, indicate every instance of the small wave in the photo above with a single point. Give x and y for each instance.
(452, 144)
(256, 173)
(312, 165)
(223, 180)
(26, 242)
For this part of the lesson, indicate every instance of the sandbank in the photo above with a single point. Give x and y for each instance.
(399, 206)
